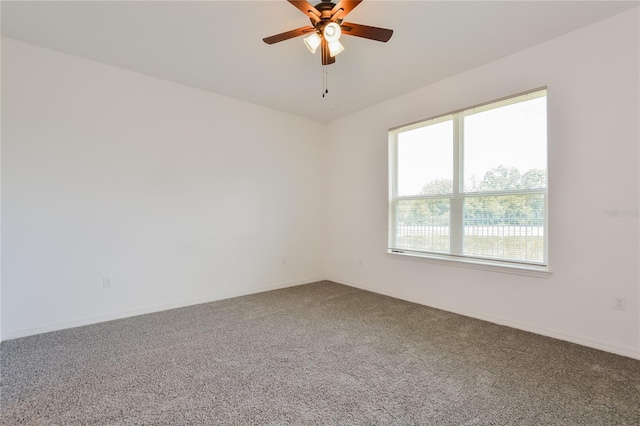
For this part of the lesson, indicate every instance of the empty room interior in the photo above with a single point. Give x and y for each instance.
(347, 212)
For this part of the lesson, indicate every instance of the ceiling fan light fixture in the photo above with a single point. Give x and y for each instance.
(335, 47)
(327, 19)
(312, 42)
(332, 32)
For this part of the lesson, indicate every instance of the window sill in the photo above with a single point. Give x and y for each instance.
(486, 265)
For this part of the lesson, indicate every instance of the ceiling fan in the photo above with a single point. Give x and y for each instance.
(327, 25)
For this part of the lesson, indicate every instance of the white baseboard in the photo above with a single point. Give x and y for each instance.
(147, 310)
(628, 352)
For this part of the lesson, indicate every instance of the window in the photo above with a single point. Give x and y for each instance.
(472, 185)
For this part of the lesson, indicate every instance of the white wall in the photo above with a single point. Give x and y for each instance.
(182, 196)
(593, 103)
(179, 195)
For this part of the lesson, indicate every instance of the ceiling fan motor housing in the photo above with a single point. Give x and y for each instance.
(325, 9)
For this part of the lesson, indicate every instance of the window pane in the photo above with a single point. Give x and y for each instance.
(423, 225)
(425, 160)
(506, 148)
(509, 227)
(498, 212)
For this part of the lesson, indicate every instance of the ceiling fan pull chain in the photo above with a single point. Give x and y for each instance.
(325, 90)
(324, 80)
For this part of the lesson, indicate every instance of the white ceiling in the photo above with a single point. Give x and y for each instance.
(217, 45)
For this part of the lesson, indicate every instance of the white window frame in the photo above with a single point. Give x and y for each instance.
(456, 257)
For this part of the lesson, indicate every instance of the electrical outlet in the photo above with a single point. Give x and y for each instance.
(360, 262)
(106, 282)
(620, 303)
(284, 261)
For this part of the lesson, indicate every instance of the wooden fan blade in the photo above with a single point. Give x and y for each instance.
(342, 8)
(365, 31)
(327, 59)
(289, 34)
(324, 52)
(306, 8)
